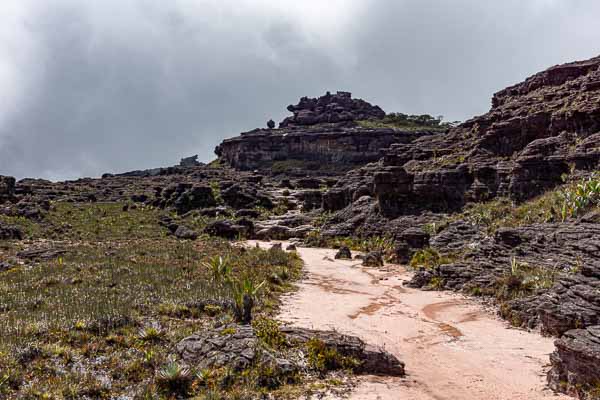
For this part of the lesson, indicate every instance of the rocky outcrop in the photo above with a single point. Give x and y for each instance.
(241, 196)
(230, 229)
(184, 197)
(565, 257)
(238, 347)
(535, 133)
(575, 363)
(373, 259)
(9, 232)
(343, 253)
(183, 232)
(372, 360)
(191, 161)
(330, 108)
(7, 188)
(321, 136)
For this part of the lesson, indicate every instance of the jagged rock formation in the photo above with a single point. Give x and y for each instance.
(569, 250)
(7, 188)
(321, 136)
(9, 232)
(339, 107)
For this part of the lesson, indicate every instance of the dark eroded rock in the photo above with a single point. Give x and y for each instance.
(373, 259)
(576, 363)
(343, 253)
(40, 254)
(237, 347)
(183, 232)
(7, 188)
(229, 229)
(9, 232)
(373, 360)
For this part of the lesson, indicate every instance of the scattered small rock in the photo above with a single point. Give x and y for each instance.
(183, 232)
(40, 254)
(373, 259)
(344, 253)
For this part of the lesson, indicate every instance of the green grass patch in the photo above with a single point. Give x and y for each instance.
(558, 205)
(406, 122)
(116, 308)
(102, 221)
(430, 258)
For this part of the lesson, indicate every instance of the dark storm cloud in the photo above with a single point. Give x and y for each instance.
(111, 85)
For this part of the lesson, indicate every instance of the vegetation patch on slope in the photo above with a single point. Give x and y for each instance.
(408, 122)
(101, 319)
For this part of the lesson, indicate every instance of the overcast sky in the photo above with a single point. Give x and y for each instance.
(94, 86)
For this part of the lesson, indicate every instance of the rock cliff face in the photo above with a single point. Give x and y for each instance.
(321, 135)
(536, 132)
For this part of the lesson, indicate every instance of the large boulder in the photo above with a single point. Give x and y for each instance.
(373, 259)
(311, 199)
(281, 232)
(229, 229)
(243, 197)
(343, 253)
(372, 360)
(191, 161)
(194, 198)
(183, 232)
(184, 197)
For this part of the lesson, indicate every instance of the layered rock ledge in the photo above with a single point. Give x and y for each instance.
(322, 135)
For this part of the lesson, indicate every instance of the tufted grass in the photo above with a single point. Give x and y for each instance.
(100, 321)
(558, 205)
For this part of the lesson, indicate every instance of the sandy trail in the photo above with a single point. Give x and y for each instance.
(453, 349)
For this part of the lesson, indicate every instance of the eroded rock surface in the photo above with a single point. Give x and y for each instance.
(238, 347)
(321, 137)
(531, 137)
(575, 363)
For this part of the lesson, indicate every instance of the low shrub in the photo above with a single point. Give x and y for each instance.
(429, 258)
(323, 359)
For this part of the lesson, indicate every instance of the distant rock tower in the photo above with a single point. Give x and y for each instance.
(270, 124)
(330, 108)
(190, 161)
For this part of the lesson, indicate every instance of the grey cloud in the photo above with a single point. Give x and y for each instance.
(117, 85)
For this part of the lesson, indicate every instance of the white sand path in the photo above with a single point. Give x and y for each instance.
(452, 347)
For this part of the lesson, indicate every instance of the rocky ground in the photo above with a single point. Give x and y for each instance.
(504, 207)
